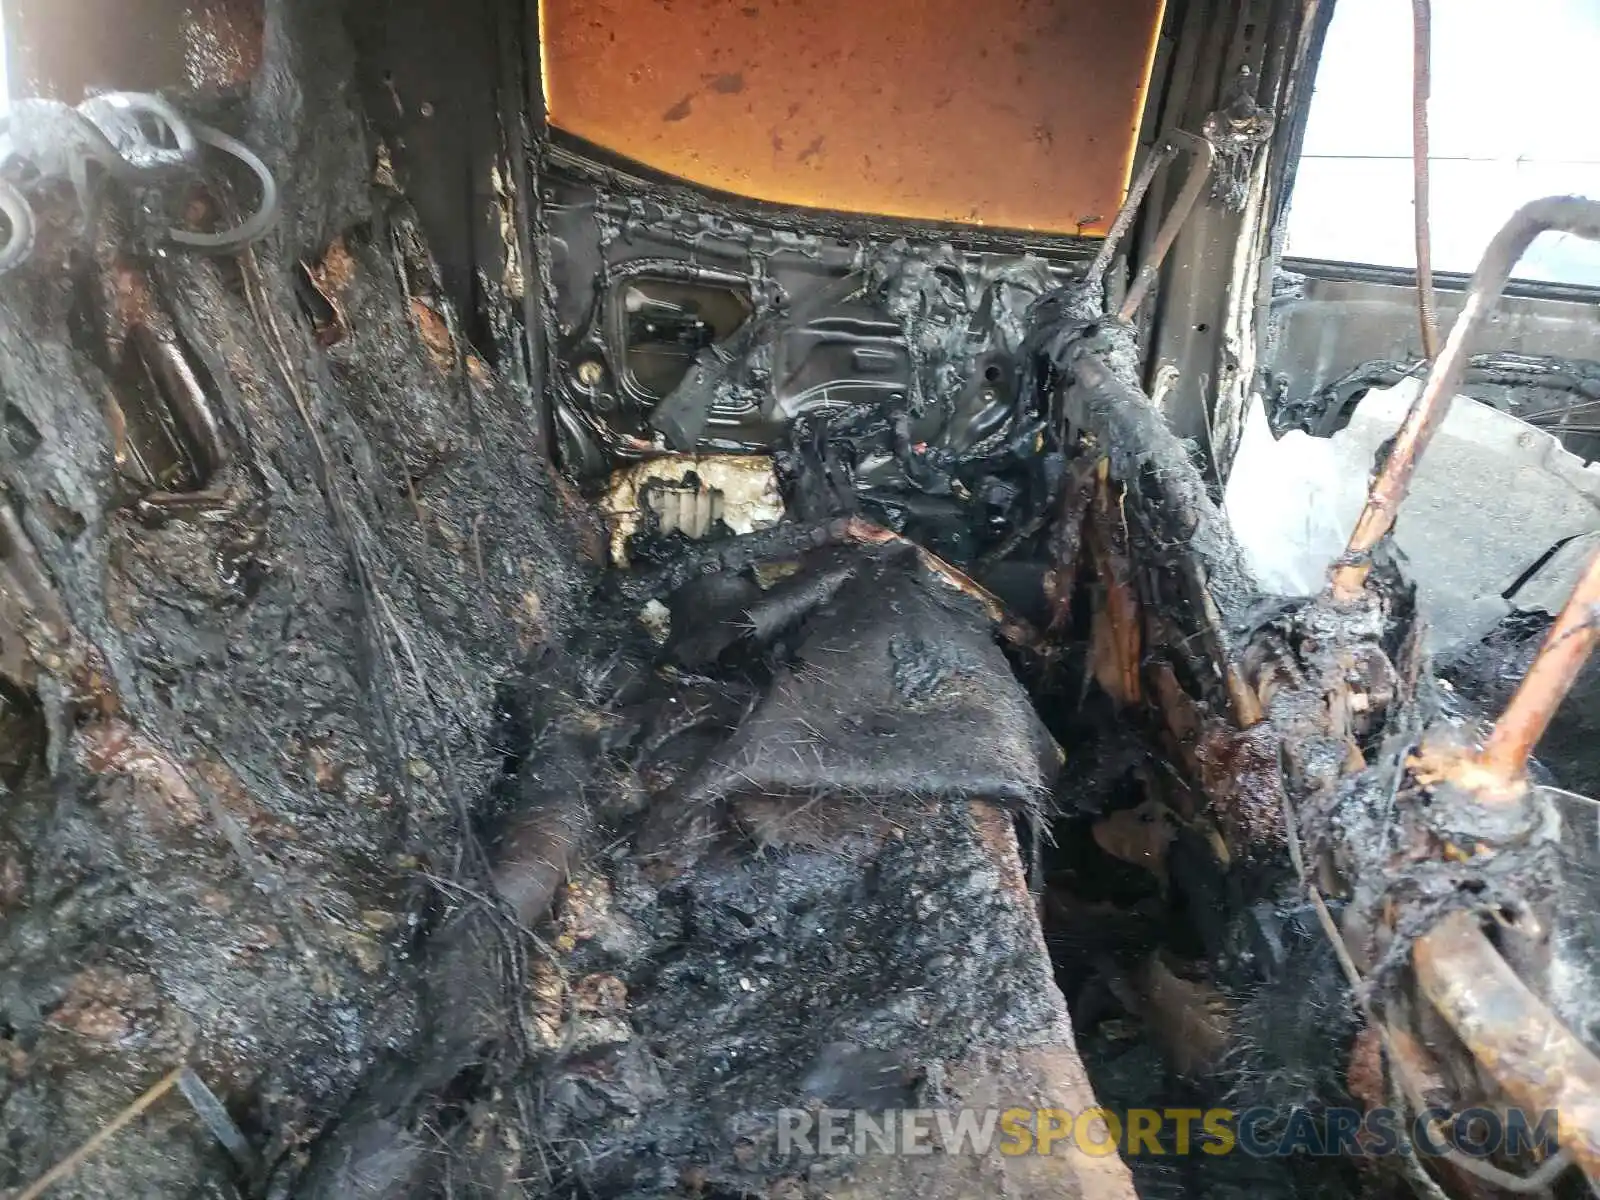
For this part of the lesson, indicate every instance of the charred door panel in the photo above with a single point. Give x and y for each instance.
(891, 367)
(1340, 329)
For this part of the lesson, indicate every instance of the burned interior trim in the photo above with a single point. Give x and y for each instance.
(885, 370)
(1334, 333)
(1256, 58)
(1328, 410)
(521, 685)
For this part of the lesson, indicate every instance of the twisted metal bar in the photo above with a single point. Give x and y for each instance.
(1570, 214)
(1176, 141)
(1205, 157)
(1524, 1047)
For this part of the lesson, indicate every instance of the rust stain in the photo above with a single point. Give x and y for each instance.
(998, 832)
(600, 993)
(114, 747)
(1190, 1019)
(435, 334)
(1141, 835)
(1020, 114)
(133, 303)
(222, 43)
(337, 270)
(1117, 638)
(1365, 1075)
(105, 1005)
(330, 278)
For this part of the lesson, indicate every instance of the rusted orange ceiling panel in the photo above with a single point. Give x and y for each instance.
(1017, 114)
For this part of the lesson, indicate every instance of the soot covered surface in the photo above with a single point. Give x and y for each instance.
(274, 702)
(766, 918)
(828, 892)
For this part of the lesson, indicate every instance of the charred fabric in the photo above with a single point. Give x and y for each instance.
(389, 813)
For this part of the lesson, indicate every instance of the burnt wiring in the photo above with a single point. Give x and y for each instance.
(1407, 1091)
(139, 140)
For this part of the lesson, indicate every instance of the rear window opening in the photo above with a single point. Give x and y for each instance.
(1510, 120)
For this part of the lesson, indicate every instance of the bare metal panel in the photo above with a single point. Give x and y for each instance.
(1017, 114)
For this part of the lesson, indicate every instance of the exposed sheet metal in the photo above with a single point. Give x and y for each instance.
(1020, 114)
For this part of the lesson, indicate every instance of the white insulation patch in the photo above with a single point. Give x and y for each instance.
(692, 495)
(1491, 497)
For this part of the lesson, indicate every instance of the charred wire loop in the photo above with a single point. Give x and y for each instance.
(138, 139)
(1568, 214)
(1194, 183)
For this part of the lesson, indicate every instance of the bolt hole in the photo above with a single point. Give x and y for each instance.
(326, 323)
(21, 434)
(1202, 328)
(24, 737)
(64, 520)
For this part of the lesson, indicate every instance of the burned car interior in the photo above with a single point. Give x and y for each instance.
(731, 598)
